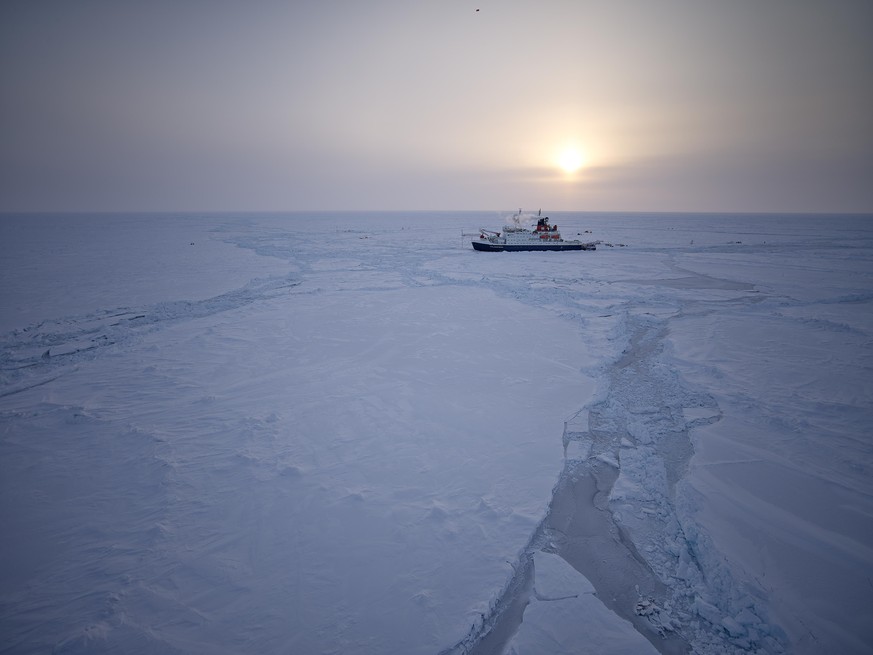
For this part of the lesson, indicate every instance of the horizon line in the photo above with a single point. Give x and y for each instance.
(7, 212)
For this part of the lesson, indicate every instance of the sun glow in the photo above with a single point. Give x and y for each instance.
(570, 160)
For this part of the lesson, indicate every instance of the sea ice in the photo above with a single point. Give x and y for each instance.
(352, 433)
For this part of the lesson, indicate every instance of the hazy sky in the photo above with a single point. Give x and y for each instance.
(668, 105)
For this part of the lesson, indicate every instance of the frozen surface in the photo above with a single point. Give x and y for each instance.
(352, 433)
(565, 617)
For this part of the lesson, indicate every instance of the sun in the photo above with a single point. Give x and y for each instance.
(571, 160)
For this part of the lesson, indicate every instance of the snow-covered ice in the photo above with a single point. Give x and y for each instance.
(351, 433)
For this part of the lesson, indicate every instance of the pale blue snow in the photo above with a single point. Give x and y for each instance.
(342, 433)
